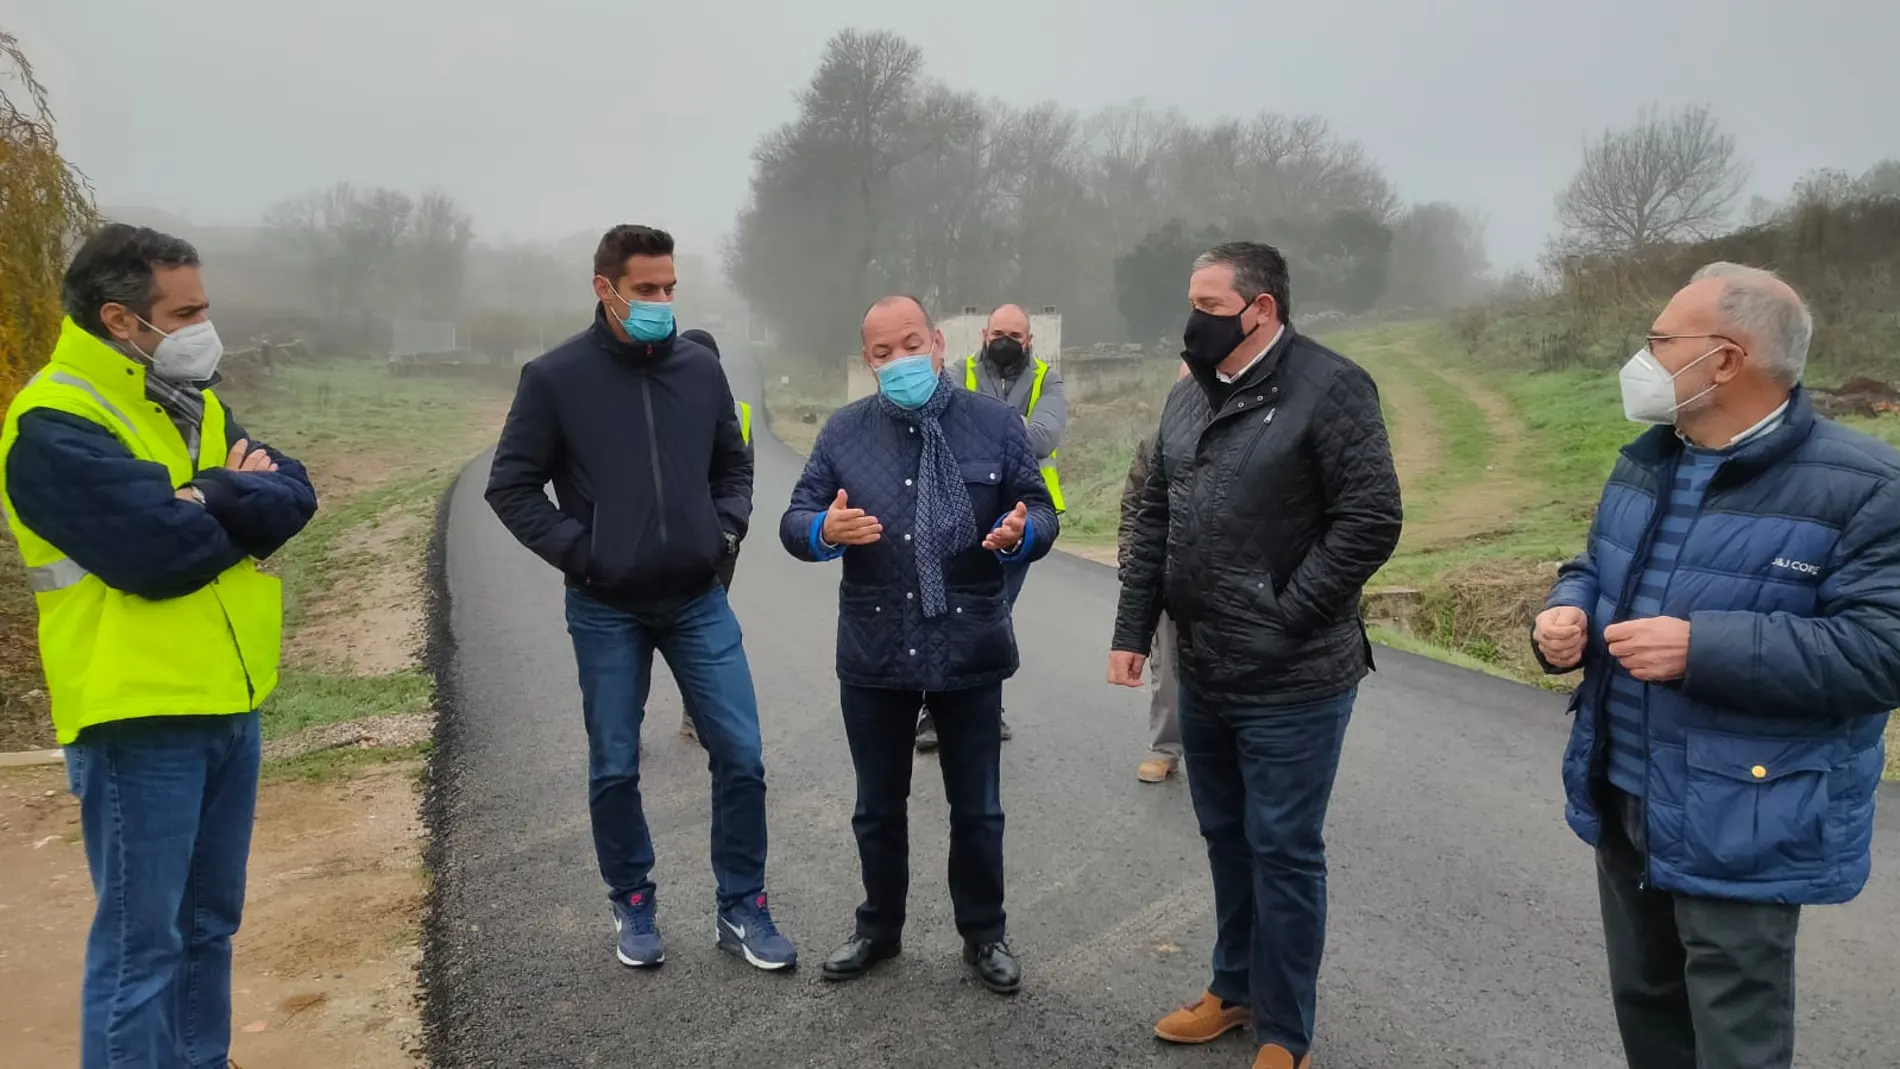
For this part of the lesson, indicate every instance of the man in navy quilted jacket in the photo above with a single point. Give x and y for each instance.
(1736, 614)
(926, 490)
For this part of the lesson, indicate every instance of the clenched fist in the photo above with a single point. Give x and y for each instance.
(1561, 634)
(1124, 668)
(1654, 650)
(846, 526)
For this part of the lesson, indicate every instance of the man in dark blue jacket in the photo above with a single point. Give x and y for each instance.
(636, 429)
(1736, 614)
(926, 490)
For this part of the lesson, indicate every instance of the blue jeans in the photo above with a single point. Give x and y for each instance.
(1261, 778)
(703, 646)
(166, 805)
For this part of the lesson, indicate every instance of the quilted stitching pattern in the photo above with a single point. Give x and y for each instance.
(884, 639)
(1261, 524)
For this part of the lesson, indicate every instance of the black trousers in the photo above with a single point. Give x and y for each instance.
(881, 727)
(1699, 983)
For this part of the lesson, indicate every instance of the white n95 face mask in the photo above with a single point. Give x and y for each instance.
(189, 354)
(1649, 390)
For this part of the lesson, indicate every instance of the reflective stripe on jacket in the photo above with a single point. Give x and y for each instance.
(109, 655)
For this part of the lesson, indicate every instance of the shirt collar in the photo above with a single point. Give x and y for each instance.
(1236, 376)
(1768, 424)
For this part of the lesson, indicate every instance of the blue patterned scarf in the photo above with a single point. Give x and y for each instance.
(945, 524)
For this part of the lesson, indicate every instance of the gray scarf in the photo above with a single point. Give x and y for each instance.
(946, 526)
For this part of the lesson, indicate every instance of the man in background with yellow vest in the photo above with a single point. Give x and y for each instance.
(731, 563)
(141, 508)
(1008, 370)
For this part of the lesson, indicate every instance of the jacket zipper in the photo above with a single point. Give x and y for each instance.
(653, 453)
(1630, 583)
(250, 688)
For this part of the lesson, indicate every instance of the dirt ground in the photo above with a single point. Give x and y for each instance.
(325, 963)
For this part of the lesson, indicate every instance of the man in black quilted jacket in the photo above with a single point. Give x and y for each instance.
(1270, 500)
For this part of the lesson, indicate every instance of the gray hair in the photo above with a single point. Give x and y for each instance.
(1757, 303)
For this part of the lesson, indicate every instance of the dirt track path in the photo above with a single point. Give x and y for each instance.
(1450, 496)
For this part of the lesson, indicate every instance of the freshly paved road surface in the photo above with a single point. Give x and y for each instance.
(1464, 917)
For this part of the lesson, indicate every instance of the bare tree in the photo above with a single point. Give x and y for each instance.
(1668, 178)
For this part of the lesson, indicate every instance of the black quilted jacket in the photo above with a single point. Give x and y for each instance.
(1268, 505)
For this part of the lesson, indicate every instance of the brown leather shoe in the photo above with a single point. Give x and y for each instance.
(1274, 1056)
(1155, 769)
(1202, 1021)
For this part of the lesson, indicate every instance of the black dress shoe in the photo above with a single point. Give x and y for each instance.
(856, 956)
(995, 965)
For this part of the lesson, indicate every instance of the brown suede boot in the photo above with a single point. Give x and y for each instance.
(1202, 1021)
(1274, 1056)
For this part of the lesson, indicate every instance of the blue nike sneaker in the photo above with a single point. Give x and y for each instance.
(639, 945)
(746, 930)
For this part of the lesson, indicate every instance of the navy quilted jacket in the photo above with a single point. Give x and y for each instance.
(884, 640)
(1765, 759)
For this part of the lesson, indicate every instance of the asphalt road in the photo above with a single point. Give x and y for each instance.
(1464, 925)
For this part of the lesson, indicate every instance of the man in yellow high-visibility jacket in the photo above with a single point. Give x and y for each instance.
(1009, 370)
(141, 508)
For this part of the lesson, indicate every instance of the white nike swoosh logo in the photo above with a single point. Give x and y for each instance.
(737, 929)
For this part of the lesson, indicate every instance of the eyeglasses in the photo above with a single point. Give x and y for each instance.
(1652, 339)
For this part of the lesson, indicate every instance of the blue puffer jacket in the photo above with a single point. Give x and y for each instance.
(1765, 758)
(884, 639)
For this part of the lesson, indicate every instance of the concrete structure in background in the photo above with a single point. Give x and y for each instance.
(963, 338)
(963, 333)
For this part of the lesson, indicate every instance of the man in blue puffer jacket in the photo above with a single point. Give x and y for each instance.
(1736, 614)
(926, 490)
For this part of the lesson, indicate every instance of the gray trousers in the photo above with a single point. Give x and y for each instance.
(1164, 701)
(1698, 983)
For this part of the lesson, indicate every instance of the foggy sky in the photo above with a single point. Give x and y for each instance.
(556, 116)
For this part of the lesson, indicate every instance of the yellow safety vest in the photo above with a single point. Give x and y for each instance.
(110, 655)
(745, 421)
(1035, 396)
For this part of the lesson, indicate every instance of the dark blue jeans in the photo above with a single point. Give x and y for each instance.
(703, 646)
(878, 725)
(166, 805)
(1261, 778)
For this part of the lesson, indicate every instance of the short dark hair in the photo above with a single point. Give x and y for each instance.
(115, 266)
(1258, 268)
(628, 239)
(702, 337)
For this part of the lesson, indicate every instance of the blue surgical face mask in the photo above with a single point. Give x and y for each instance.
(647, 321)
(909, 381)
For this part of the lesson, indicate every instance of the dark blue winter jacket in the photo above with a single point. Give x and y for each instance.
(1764, 760)
(884, 639)
(652, 478)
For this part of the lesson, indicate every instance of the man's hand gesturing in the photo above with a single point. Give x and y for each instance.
(1560, 634)
(846, 526)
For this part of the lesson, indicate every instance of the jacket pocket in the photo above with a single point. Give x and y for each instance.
(983, 479)
(868, 636)
(1754, 807)
(981, 636)
(1269, 638)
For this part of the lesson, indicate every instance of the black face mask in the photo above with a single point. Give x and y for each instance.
(1212, 338)
(1007, 354)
